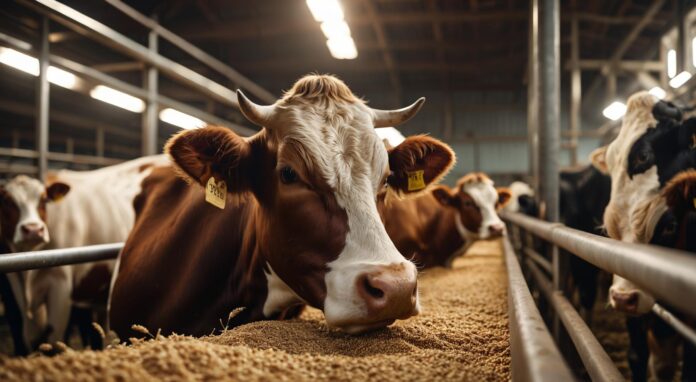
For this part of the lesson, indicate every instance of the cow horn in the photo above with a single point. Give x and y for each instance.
(386, 118)
(257, 114)
(667, 110)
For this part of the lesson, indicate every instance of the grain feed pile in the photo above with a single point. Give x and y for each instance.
(462, 334)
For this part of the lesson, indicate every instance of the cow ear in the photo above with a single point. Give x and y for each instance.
(680, 192)
(417, 162)
(211, 151)
(504, 196)
(598, 157)
(443, 195)
(56, 191)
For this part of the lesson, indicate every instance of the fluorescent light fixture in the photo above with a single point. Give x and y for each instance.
(325, 10)
(177, 118)
(615, 111)
(680, 79)
(335, 29)
(342, 48)
(117, 98)
(658, 92)
(671, 63)
(392, 135)
(30, 65)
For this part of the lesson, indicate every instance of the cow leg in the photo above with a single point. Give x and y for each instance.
(638, 348)
(14, 311)
(663, 343)
(53, 287)
(689, 362)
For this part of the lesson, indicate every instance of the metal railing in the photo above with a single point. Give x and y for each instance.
(667, 274)
(24, 261)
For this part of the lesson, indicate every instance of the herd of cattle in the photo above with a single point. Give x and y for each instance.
(315, 210)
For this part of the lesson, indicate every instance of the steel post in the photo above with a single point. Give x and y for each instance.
(149, 117)
(42, 101)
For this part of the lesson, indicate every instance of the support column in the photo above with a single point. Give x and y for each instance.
(575, 90)
(149, 118)
(99, 144)
(533, 94)
(42, 101)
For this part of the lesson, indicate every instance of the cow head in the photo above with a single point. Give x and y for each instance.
(315, 171)
(23, 212)
(476, 202)
(652, 146)
(667, 220)
(522, 199)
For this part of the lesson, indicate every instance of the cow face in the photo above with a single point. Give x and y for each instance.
(476, 202)
(315, 171)
(652, 146)
(668, 220)
(23, 212)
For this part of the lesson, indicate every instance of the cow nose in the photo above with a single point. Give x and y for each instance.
(389, 292)
(625, 301)
(496, 229)
(33, 230)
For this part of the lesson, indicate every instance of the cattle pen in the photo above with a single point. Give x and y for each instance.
(156, 223)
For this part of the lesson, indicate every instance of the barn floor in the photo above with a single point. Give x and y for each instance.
(462, 334)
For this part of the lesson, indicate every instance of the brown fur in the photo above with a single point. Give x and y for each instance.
(411, 155)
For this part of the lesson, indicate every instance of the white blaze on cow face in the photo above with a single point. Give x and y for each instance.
(480, 188)
(24, 205)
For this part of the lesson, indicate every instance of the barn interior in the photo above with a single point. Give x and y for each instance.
(520, 90)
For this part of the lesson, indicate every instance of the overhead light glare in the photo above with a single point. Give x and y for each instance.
(391, 135)
(183, 120)
(658, 92)
(30, 65)
(117, 98)
(342, 48)
(671, 63)
(335, 29)
(680, 79)
(325, 10)
(615, 111)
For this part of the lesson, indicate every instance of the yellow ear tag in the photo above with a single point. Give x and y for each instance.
(216, 193)
(694, 202)
(58, 198)
(415, 180)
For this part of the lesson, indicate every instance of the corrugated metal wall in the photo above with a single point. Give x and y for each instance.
(489, 131)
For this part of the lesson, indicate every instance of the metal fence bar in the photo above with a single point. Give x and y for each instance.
(534, 355)
(88, 26)
(667, 273)
(23, 261)
(597, 362)
(678, 325)
(539, 259)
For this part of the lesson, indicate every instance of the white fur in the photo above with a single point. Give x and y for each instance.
(485, 197)
(517, 189)
(351, 158)
(26, 192)
(280, 296)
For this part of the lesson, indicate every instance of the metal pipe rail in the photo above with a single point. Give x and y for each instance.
(534, 355)
(666, 273)
(24, 261)
(597, 362)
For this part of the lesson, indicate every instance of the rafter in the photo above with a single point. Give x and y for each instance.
(387, 54)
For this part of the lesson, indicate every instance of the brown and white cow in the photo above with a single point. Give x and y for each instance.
(299, 223)
(98, 210)
(434, 227)
(23, 204)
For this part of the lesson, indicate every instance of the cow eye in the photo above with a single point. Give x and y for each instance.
(468, 203)
(670, 229)
(642, 158)
(288, 175)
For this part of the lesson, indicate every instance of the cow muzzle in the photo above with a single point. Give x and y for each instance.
(631, 302)
(387, 293)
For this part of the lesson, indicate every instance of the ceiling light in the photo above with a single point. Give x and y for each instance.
(335, 29)
(658, 92)
(680, 79)
(177, 118)
(117, 98)
(30, 65)
(615, 111)
(392, 135)
(342, 48)
(325, 10)
(671, 63)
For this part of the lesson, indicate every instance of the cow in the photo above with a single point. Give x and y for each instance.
(434, 227)
(23, 205)
(98, 210)
(287, 217)
(522, 199)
